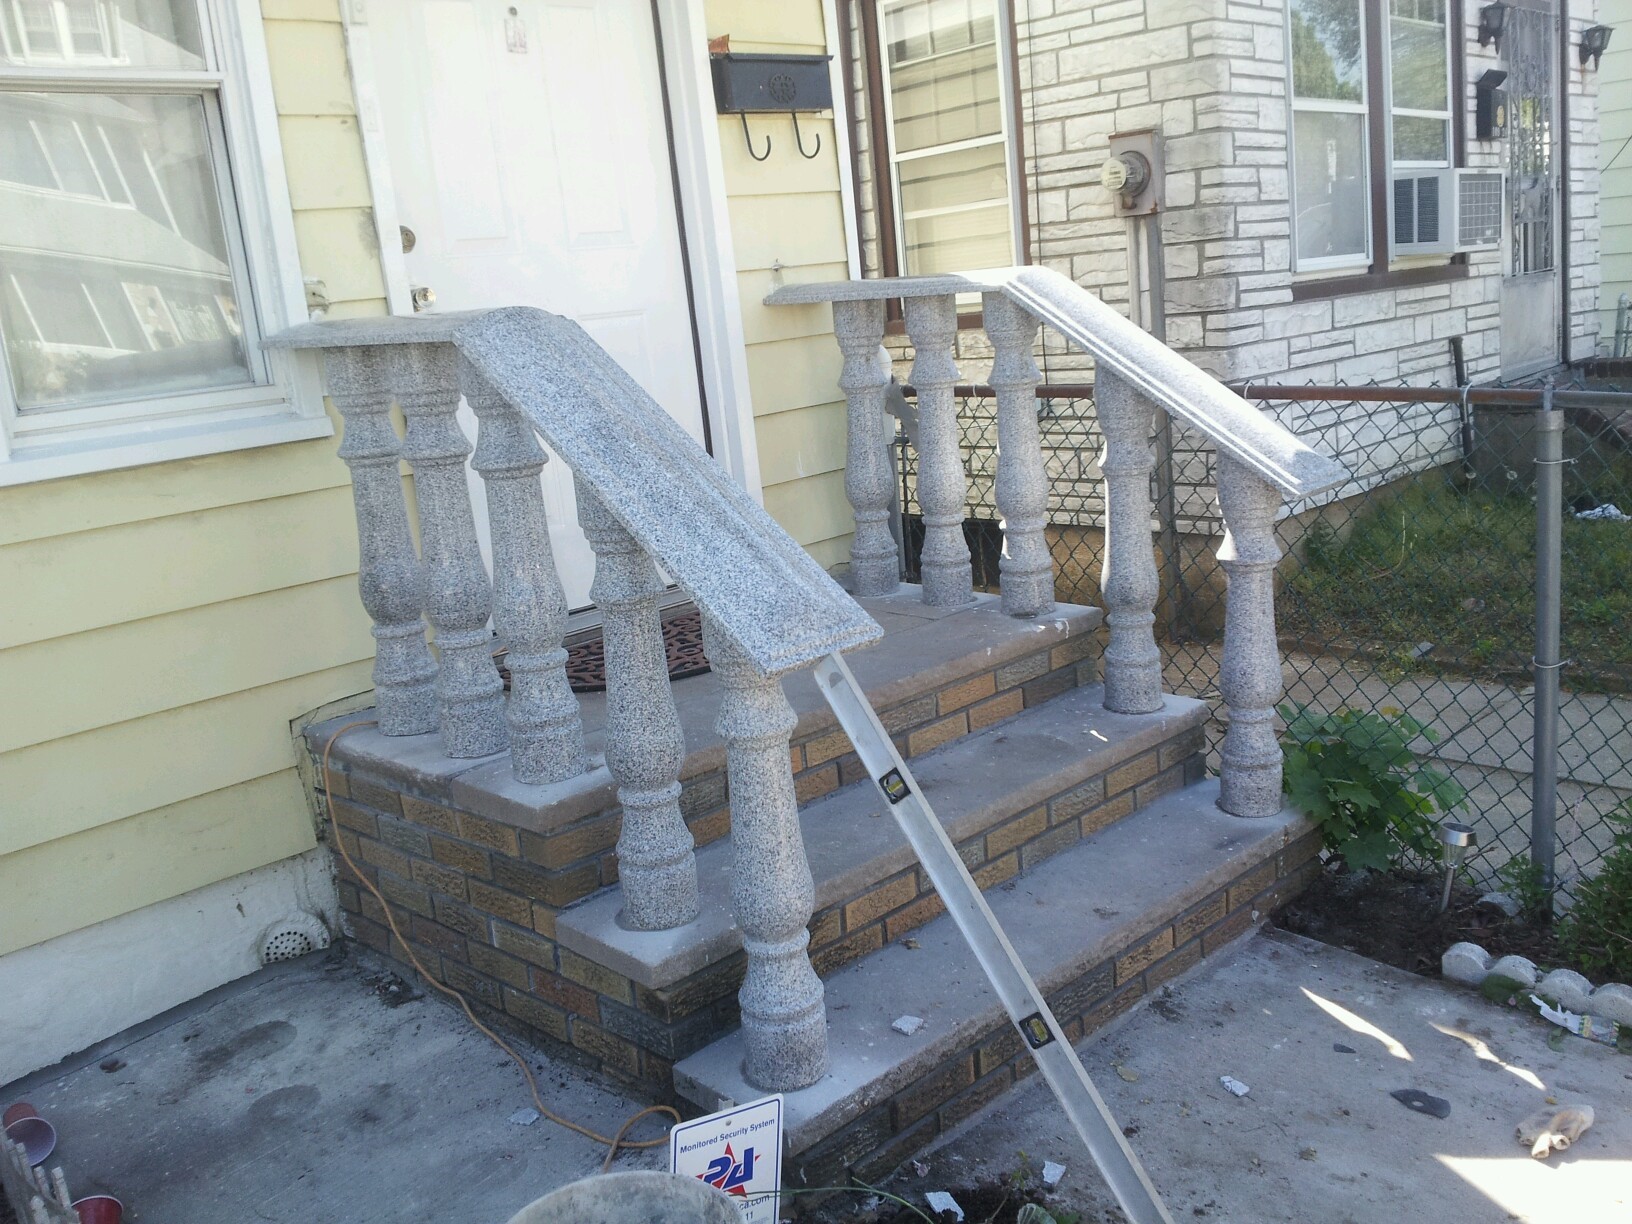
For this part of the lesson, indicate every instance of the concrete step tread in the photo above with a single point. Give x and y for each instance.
(924, 651)
(1070, 914)
(973, 783)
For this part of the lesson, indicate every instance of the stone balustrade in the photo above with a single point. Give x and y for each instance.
(1136, 377)
(649, 501)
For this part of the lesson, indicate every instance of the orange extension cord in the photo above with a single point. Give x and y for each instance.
(616, 1142)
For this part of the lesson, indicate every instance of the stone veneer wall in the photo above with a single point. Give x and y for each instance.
(1212, 76)
(478, 897)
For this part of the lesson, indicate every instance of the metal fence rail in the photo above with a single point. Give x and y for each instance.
(1411, 589)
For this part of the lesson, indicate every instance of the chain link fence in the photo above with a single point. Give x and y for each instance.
(1410, 589)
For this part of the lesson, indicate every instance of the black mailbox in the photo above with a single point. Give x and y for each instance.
(1490, 105)
(747, 83)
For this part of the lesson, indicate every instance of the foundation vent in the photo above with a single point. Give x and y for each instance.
(289, 938)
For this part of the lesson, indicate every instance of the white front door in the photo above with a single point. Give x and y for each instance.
(530, 160)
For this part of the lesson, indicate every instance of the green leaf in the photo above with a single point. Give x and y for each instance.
(1370, 851)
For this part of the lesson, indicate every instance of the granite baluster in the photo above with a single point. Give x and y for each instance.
(529, 605)
(869, 478)
(1129, 581)
(389, 577)
(458, 601)
(784, 1020)
(1027, 566)
(657, 863)
(1250, 671)
(932, 326)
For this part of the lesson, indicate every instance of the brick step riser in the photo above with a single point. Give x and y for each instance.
(450, 878)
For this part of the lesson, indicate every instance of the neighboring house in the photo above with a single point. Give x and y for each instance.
(1295, 137)
(176, 534)
(1615, 167)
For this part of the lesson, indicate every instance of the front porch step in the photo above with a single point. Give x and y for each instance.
(1010, 796)
(1100, 925)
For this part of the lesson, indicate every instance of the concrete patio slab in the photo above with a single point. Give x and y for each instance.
(310, 1092)
(1319, 1137)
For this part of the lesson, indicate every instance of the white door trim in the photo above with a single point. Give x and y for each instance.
(705, 219)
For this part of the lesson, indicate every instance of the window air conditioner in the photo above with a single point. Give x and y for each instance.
(1479, 195)
(1423, 216)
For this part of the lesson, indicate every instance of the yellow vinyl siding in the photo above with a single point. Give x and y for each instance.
(77, 881)
(162, 626)
(1615, 153)
(789, 211)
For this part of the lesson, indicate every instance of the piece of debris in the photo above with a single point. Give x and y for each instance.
(1340, 1048)
(940, 1200)
(1593, 1028)
(1233, 1085)
(907, 1025)
(1422, 650)
(1052, 1173)
(1127, 1073)
(1609, 512)
(111, 1065)
(525, 1116)
(1421, 1102)
(910, 944)
(920, 1168)
(1307, 1154)
(1552, 1130)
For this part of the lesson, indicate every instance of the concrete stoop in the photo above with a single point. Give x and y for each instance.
(1100, 925)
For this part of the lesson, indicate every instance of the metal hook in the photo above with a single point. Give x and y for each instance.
(800, 140)
(749, 140)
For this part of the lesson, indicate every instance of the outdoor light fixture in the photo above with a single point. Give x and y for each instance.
(1594, 41)
(1457, 840)
(1492, 21)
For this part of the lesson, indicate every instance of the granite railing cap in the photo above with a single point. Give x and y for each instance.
(766, 593)
(1117, 345)
(428, 328)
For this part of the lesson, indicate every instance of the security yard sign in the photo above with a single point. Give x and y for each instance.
(739, 1151)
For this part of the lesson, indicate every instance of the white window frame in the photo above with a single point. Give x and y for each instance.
(1393, 112)
(1330, 263)
(1371, 111)
(1006, 87)
(285, 402)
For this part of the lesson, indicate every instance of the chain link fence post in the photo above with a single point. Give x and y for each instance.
(1549, 551)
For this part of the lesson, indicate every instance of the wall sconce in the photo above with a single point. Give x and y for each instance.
(1492, 21)
(1594, 41)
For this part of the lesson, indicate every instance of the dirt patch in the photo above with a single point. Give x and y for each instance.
(1391, 918)
(390, 989)
(993, 1203)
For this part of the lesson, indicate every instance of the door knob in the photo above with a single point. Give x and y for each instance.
(409, 238)
(422, 296)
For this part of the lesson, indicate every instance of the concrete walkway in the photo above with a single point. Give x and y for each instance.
(1319, 1140)
(311, 1092)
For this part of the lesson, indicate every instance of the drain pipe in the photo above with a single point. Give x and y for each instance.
(1623, 325)
(1549, 546)
(1167, 508)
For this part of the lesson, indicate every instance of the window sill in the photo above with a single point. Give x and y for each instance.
(59, 459)
(1372, 282)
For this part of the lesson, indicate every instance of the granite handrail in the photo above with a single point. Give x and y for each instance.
(1178, 386)
(765, 593)
(1260, 463)
(648, 497)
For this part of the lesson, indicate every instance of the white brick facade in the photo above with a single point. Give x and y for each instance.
(1211, 75)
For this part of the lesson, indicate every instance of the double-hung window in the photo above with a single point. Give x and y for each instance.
(1371, 105)
(140, 259)
(947, 119)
